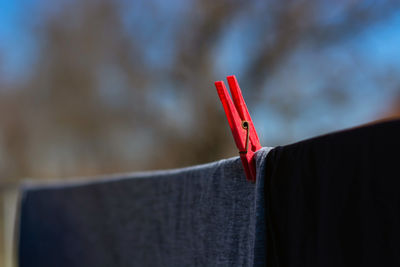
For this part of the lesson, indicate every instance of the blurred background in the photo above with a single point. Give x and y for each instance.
(94, 87)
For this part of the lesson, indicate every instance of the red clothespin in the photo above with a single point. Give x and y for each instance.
(242, 127)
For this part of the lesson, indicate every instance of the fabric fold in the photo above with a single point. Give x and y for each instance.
(207, 215)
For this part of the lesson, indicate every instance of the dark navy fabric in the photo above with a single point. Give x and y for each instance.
(334, 200)
(207, 215)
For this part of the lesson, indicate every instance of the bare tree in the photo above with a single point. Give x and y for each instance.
(95, 103)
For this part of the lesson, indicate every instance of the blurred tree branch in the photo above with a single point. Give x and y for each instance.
(94, 98)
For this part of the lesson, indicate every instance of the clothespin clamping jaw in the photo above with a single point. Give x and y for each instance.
(242, 127)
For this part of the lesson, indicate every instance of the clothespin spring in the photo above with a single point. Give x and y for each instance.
(245, 125)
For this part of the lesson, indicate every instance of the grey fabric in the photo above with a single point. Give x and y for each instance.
(206, 215)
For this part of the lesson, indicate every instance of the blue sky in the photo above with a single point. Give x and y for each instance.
(379, 44)
(17, 46)
(374, 50)
(370, 53)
